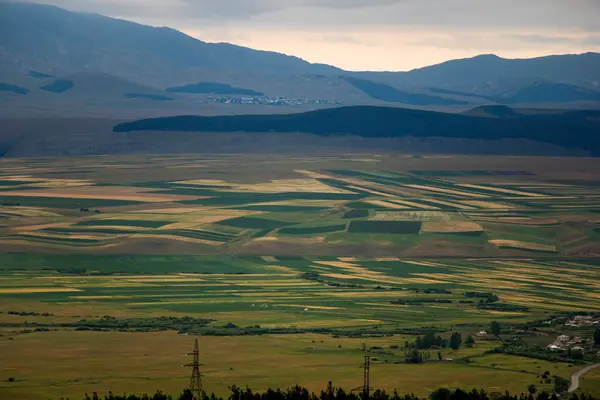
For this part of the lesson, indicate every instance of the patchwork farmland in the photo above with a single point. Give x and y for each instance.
(312, 256)
(302, 206)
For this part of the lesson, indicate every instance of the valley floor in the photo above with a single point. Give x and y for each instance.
(292, 268)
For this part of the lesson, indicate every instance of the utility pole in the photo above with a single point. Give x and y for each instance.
(196, 380)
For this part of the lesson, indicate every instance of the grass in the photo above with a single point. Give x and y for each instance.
(123, 222)
(590, 383)
(312, 230)
(255, 223)
(282, 208)
(394, 227)
(124, 263)
(212, 236)
(309, 360)
(356, 214)
(73, 231)
(235, 198)
(61, 202)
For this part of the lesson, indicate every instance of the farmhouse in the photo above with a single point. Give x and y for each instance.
(482, 333)
(555, 348)
(563, 338)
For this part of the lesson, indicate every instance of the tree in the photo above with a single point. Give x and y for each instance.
(561, 384)
(415, 357)
(532, 389)
(455, 341)
(441, 394)
(419, 343)
(496, 329)
(576, 353)
(428, 341)
(597, 337)
(470, 341)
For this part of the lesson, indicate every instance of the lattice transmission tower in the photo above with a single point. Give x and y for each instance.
(367, 377)
(196, 380)
(366, 387)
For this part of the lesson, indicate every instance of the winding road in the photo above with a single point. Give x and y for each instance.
(575, 377)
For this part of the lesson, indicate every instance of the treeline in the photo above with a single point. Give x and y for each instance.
(332, 393)
(202, 327)
(391, 122)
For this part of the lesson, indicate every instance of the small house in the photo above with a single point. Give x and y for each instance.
(563, 338)
(482, 333)
(555, 348)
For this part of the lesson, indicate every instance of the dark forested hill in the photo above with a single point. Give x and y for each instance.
(575, 129)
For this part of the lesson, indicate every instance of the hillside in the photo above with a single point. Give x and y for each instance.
(40, 43)
(383, 122)
(51, 40)
(493, 75)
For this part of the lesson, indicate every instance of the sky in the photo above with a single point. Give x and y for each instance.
(391, 35)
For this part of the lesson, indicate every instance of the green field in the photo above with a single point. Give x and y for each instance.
(293, 263)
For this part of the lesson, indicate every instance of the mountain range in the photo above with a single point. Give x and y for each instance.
(53, 61)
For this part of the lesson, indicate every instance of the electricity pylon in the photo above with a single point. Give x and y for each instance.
(196, 380)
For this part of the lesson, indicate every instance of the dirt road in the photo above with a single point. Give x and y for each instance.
(575, 377)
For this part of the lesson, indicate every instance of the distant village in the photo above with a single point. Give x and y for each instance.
(574, 344)
(270, 101)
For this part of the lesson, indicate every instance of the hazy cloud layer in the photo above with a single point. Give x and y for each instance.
(374, 34)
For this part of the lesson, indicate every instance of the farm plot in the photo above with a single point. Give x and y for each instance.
(395, 227)
(126, 223)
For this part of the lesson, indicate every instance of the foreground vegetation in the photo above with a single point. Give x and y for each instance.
(332, 393)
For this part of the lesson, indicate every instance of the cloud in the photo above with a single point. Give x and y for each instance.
(540, 39)
(466, 14)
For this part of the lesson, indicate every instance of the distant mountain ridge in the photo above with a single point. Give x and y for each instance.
(51, 40)
(41, 43)
(490, 74)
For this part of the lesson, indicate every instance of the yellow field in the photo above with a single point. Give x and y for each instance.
(148, 362)
(522, 245)
(451, 227)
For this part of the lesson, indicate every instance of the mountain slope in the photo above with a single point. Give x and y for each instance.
(492, 75)
(51, 40)
(549, 92)
(390, 94)
(44, 42)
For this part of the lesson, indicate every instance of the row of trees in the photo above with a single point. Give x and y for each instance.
(430, 341)
(332, 393)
